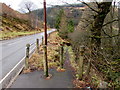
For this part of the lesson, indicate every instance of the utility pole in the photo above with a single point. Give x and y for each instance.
(45, 46)
(45, 22)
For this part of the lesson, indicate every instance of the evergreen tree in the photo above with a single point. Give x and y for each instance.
(58, 19)
(63, 30)
(70, 26)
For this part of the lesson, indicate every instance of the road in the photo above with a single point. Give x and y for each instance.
(12, 51)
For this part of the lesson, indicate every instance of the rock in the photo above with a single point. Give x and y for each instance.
(103, 84)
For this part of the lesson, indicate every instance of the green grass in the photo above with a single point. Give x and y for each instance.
(8, 35)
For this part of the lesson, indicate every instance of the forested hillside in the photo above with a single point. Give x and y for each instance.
(73, 11)
(98, 36)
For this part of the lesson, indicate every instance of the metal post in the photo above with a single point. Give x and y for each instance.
(45, 22)
(37, 45)
(27, 55)
(45, 47)
(45, 61)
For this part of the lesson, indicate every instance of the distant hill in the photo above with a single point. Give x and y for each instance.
(9, 11)
(15, 21)
(73, 11)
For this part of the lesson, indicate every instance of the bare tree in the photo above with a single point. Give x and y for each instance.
(100, 13)
(28, 7)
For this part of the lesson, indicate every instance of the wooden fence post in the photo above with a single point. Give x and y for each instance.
(88, 68)
(27, 55)
(42, 40)
(89, 63)
(61, 56)
(80, 72)
(37, 45)
(45, 63)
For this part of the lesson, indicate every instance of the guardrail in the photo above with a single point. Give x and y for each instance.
(28, 50)
(12, 75)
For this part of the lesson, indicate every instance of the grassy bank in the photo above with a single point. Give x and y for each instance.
(8, 35)
(36, 61)
(12, 27)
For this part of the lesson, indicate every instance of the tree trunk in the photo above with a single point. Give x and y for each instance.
(103, 10)
(111, 31)
(119, 30)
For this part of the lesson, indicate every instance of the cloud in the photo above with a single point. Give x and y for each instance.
(39, 3)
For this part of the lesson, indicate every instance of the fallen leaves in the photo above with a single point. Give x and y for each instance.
(49, 77)
(61, 69)
(80, 84)
(25, 71)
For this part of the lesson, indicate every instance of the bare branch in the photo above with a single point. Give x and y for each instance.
(89, 7)
(109, 35)
(110, 22)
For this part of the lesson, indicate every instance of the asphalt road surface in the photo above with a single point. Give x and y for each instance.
(12, 51)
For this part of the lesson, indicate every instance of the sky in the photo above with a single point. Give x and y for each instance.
(15, 4)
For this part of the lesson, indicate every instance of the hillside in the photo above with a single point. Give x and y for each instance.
(73, 11)
(15, 24)
(9, 11)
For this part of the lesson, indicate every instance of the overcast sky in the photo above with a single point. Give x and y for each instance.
(15, 4)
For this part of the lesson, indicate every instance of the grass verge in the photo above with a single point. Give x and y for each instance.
(8, 35)
(36, 61)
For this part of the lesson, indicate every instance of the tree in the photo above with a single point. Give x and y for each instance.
(70, 26)
(119, 26)
(28, 7)
(63, 24)
(103, 10)
(58, 19)
(63, 32)
(99, 26)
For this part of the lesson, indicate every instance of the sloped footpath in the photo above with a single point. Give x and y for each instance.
(35, 80)
(34, 76)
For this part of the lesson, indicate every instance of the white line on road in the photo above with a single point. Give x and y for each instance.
(3, 79)
(15, 67)
(11, 70)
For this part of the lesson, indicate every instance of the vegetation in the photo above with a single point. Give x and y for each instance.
(64, 25)
(36, 61)
(14, 24)
(98, 31)
(72, 11)
(13, 27)
(70, 26)
(9, 35)
(12, 30)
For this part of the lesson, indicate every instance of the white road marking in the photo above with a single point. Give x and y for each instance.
(11, 70)
(16, 64)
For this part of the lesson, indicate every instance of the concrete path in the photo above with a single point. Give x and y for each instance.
(35, 80)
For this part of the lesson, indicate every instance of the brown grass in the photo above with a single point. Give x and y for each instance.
(36, 61)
